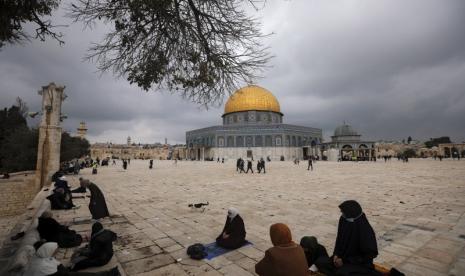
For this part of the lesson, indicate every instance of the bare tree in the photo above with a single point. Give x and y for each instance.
(197, 48)
(15, 13)
(22, 106)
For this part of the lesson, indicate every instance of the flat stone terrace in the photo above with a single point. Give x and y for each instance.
(416, 208)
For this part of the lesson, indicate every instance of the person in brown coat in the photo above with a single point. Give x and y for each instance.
(285, 257)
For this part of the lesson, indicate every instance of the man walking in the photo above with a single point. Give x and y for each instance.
(249, 166)
(310, 164)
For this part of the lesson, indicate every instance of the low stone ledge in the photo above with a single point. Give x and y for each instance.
(25, 222)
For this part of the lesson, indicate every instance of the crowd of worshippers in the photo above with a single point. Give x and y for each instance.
(354, 251)
(97, 252)
(240, 165)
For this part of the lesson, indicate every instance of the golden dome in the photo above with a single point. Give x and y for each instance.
(252, 97)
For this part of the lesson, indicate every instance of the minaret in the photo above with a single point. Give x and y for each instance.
(82, 130)
(129, 140)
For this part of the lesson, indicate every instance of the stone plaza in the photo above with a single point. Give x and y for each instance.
(416, 208)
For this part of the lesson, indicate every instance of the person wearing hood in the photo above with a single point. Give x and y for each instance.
(43, 263)
(313, 250)
(233, 234)
(356, 245)
(97, 205)
(99, 250)
(51, 231)
(285, 257)
(62, 182)
(60, 199)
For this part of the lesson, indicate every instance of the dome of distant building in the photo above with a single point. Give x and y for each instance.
(345, 130)
(252, 97)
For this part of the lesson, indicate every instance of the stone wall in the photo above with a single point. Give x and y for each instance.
(17, 193)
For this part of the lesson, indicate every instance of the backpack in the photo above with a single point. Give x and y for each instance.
(197, 251)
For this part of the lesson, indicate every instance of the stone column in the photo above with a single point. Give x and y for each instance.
(48, 155)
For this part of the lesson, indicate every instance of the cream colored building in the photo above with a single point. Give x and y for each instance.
(124, 151)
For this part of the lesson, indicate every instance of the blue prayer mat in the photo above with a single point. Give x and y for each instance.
(214, 250)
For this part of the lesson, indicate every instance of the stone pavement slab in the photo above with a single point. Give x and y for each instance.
(416, 209)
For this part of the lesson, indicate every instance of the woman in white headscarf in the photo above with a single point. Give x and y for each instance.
(233, 234)
(43, 263)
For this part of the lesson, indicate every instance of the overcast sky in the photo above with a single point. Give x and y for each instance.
(390, 68)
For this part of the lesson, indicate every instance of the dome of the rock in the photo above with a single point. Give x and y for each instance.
(252, 97)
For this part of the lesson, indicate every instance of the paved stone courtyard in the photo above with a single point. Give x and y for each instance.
(416, 208)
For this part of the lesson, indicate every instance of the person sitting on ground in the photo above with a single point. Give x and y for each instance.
(52, 231)
(285, 257)
(97, 205)
(98, 252)
(61, 182)
(233, 234)
(313, 251)
(355, 246)
(60, 200)
(43, 263)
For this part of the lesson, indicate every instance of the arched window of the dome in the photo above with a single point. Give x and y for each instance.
(249, 141)
(239, 141)
(268, 141)
(230, 141)
(220, 141)
(278, 140)
(258, 141)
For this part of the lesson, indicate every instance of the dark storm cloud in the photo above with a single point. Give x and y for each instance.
(390, 68)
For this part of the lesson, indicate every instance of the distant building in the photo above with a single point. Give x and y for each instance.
(346, 144)
(82, 130)
(253, 128)
(129, 151)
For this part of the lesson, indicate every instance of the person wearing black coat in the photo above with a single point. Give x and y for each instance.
(60, 200)
(99, 251)
(233, 234)
(356, 246)
(97, 205)
(262, 166)
(52, 231)
(313, 250)
(249, 166)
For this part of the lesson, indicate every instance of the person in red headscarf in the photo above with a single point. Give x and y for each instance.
(285, 257)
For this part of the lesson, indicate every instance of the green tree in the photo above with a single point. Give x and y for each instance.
(18, 143)
(15, 14)
(73, 147)
(409, 153)
(19, 150)
(434, 142)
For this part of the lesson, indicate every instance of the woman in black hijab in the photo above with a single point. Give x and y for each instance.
(313, 250)
(100, 249)
(233, 234)
(355, 246)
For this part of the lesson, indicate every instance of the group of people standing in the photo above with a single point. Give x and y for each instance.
(240, 164)
(354, 251)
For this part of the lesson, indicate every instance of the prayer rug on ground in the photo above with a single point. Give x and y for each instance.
(214, 250)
